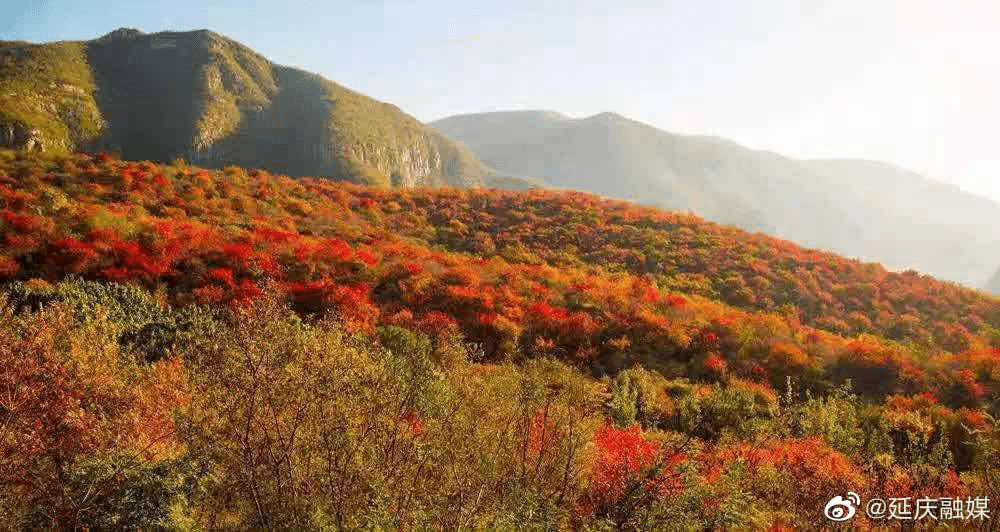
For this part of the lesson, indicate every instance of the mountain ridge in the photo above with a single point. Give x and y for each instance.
(993, 285)
(871, 210)
(208, 98)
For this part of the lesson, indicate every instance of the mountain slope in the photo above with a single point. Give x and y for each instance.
(994, 284)
(863, 209)
(104, 219)
(474, 353)
(215, 101)
(605, 154)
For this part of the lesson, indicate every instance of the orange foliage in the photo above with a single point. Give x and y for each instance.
(589, 296)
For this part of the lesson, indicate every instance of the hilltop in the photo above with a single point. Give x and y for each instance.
(869, 210)
(214, 101)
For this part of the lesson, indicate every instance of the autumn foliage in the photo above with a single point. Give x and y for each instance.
(488, 359)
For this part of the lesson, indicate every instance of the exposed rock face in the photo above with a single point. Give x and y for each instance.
(7, 135)
(407, 166)
(216, 102)
(121, 34)
(16, 135)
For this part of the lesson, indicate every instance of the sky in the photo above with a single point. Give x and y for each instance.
(910, 82)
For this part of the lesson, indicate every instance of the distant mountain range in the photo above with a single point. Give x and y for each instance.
(869, 210)
(994, 284)
(214, 101)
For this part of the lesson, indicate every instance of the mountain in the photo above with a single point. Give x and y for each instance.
(864, 209)
(994, 284)
(606, 154)
(215, 102)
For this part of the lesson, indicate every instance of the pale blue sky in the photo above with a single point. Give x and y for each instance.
(912, 82)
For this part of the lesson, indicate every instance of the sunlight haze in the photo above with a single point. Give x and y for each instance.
(911, 83)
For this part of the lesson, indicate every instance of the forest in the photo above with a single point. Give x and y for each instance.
(191, 348)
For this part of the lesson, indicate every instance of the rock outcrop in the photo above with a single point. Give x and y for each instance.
(18, 136)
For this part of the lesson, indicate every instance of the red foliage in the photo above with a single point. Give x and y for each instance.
(413, 423)
(623, 455)
(367, 257)
(629, 472)
(24, 223)
(437, 323)
(413, 268)
(350, 302)
(73, 254)
(239, 254)
(548, 315)
(676, 301)
(810, 464)
(547, 283)
(223, 275)
(715, 364)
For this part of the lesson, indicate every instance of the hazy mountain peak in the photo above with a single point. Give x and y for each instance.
(528, 113)
(532, 118)
(867, 209)
(993, 285)
(607, 116)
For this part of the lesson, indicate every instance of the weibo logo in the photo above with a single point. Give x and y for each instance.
(841, 509)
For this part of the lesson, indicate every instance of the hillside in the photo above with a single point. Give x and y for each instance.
(215, 102)
(993, 285)
(181, 347)
(140, 222)
(863, 209)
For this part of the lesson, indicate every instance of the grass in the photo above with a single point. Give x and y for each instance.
(49, 87)
(234, 76)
